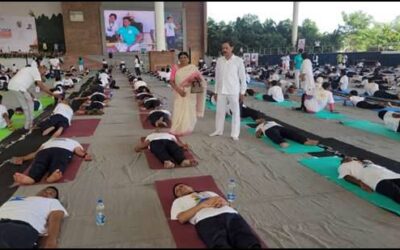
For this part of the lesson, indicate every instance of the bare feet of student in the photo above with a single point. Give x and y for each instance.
(284, 145)
(311, 142)
(22, 179)
(17, 160)
(55, 176)
(169, 164)
(188, 163)
(58, 132)
(389, 104)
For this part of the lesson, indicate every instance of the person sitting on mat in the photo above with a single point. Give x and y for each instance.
(53, 157)
(360, 102)
(371, 177)
(150, 102)
(391, 120)
(275, 93)
(32, 221)
(217, 224)
(166, 148)
(277, 133)
(59, 120)
(318, 100)
(159, 118)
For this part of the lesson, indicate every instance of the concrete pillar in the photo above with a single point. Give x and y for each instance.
(295, 23)
(160, 30)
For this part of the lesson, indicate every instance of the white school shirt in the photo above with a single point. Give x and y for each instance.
(139, 84)
(319, 101)
(58, 83)
(276, 93)
(267, 125)
(64, 110)
(160, 136)
(170, 29)
(55, 62)
(160, 110)
(344, 82)
(309, 84)
(370, 174)
(230, 76)
(68, 82)
(64, 143)
(34, 64)
(137, 64)
(391, 122)
(371, 88)
(104, 77)
(189, 201)
(33, 210)
(24, 79)
(3, 110)
(356, 99)
(150, 99)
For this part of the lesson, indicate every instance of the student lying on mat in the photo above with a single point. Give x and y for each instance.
(166, 148)
(371, 177)
(138, 84)
(318, 100)
(145, 93)
(277, 133)
(82, 107)
(217, 224)
(360, 102)
(150, 102)
(53, 156)
(391, 120)
(32, 221)
(159, 118)
(59, 120)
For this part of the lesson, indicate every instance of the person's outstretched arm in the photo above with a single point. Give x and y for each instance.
(358, 182)
(53, 228)
(142, 145)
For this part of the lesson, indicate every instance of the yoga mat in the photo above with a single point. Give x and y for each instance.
(286, 104)
(259, 96)
(328, 167)
(211, 106)
(4, 132)
(70, 172)
(327, 115)
(294, 147)
(185, 235)
(81, 128)
(256, 83)
(372, 127)
(243, 121)
(394, 109)
(155, 163)
(146, 123)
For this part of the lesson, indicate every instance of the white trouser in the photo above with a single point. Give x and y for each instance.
(232, 102)
(297, 78)
(26, 102)
(80, 68)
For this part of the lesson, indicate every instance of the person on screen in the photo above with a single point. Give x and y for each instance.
(170, 28)
(111, 28)
(129, 36)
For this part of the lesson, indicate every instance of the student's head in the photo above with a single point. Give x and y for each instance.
(183, 58)
(343, 72)
(126, 21)
(112, 17)
(364, 78)
(170, 19)
(227, 48)
(1, 98)
(353, 93)
(274, 82)
(181, 189)
(305, 55)
(49, 192)
(250, 92)
(14, 64)
(326, 85)
(381, 114)
(300, 51)
(42, 70)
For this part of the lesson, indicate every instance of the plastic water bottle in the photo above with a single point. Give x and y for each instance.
(231, 194)
(100, 217)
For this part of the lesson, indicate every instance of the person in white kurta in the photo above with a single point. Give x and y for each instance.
(230, 86)
(307, 75)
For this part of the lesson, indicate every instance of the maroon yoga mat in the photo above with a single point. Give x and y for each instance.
(155, 163)
(81, 128)
(145, 122)
(70, 172)
(185, 235)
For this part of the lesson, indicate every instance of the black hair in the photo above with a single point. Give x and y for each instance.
(354, 92)
(305, 55)
(274, 83)
(55, 189)
(127, 18)
(228, 41)
(1, 98)
(250, 92)
(300, 51)
(173, 189)
(113, 14)
(326, 85)
(381, 114)
(183, 53)
(139, 79)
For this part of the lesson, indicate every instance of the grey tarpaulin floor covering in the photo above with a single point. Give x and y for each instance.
(287, 205)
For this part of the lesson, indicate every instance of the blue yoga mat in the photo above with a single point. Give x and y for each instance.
(394, 109)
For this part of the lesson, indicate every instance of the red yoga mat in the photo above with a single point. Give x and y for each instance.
(70, 172)
(81, 128)
(155, 163)
(146, 123)
(185, 235)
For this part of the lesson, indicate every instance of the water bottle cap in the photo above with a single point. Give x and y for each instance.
(100, 200)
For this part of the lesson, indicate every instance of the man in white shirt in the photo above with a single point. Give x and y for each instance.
(166, 148)
(230, 88)
(59, 120)
(217, 224)
(104, 78)
(170, 28)
(55, 65)
(371, 177)
(307, 75)
(391, 120)
(274, 94)
(26, 221)
(20, 84)
(53, 157)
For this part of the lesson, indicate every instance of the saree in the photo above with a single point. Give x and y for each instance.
(187, 109)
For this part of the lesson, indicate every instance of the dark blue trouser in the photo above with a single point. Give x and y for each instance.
(227, 230)
(17, 234)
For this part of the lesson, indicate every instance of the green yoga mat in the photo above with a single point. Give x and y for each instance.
(286, 104)
(244, 121)
(259, 96)
(324, 114)
(327, 167)
(211, 106)
(294, 147)
(372, 127)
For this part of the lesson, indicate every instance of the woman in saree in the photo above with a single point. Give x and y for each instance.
(187, 104)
